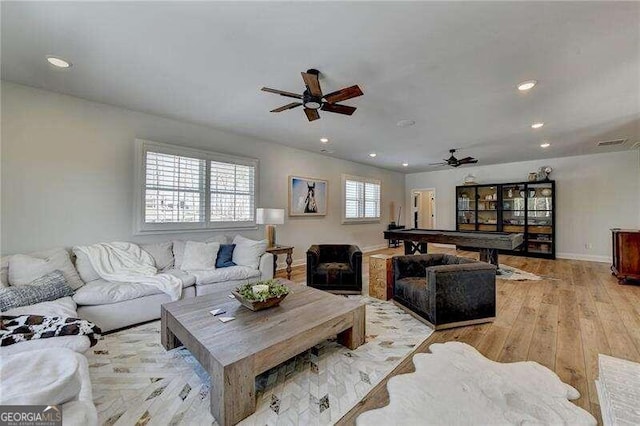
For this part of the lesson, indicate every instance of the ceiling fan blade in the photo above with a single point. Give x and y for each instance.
(340, 109)
(281, 93)
(311, 80)
(468, 160)
(286, 107)
(343, 94)
(438, 164)
(312, 114)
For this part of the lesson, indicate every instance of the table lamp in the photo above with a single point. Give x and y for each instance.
(270, 218)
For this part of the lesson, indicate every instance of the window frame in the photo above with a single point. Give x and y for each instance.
(141, 227)
(364, 180)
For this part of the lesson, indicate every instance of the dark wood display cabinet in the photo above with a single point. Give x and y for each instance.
(520, 207)
(626, 254)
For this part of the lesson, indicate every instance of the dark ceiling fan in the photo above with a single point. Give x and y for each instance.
(312, 98)
(454, 162)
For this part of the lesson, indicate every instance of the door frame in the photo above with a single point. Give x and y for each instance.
(435, 210)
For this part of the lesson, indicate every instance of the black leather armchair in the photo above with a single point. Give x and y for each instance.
(335, 268)
(447, 291)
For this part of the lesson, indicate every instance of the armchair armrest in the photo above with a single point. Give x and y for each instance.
(462, 267)
(313, 258)
(355, 257)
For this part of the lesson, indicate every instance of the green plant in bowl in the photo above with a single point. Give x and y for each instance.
(262, 290)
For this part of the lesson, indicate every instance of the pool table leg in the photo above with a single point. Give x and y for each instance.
(490, 255)
(411, 248)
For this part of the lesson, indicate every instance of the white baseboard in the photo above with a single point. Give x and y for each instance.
(587, 257)
(303, 261)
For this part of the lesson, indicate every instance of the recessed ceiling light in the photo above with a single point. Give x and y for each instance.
(372, 155)
(537, 125)
(324, 140)
(405, 164)
(545, 145)
(58, 62)
(527, 85)
(405, 123)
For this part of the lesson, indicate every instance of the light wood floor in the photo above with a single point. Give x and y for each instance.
(563, 322)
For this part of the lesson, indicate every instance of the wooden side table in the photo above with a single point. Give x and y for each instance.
(278, 249)
(380, 282)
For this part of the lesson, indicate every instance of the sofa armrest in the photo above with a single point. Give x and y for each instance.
(266, 267)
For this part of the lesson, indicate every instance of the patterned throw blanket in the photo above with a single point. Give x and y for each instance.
(15, 329)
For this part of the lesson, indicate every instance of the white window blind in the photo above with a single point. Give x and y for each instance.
(184, 189)
(232, 192)
(174, 189)
(361, 199)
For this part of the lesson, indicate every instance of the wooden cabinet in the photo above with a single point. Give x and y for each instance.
(380, 277)
(626, 253)
(520, 207)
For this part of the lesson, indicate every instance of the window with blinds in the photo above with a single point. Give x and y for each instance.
(174, 189)
(361, 199)
(232, 192)
(183, 188)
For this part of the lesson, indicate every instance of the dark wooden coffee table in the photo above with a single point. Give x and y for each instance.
(234, 353)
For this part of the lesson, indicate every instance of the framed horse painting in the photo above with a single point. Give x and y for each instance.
(307, 196)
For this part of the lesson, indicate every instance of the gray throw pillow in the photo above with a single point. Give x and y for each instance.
(162, 254)
(49, 287)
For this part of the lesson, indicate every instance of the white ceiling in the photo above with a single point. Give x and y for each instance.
(452, 67)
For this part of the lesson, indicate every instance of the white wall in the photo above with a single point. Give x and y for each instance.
(593, 194)
(68, 164)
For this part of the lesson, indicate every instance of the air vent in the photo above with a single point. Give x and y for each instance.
(612, 142)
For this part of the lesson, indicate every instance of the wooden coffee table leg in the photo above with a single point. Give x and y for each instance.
(167, 338)
(354, 336)
(233, 391)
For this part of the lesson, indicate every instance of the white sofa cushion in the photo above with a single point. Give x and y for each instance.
(23, 269)
(43, 378)
(103, 292)
(199, 256)
(63, 307)
(162, 254)
(4, 271)
(248, 252)
(232, 273)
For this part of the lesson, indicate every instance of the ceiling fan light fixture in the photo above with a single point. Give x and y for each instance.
(537, 125)
(527, 85)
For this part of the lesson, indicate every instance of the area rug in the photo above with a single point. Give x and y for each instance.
(136, 382)
(618, 387)
(456, 385)
(515, 274)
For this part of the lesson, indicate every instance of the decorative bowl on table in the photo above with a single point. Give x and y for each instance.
(261, 295)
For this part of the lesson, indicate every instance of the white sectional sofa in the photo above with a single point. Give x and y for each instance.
(112, 306)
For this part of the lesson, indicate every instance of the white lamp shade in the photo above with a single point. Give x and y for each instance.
(269, 216)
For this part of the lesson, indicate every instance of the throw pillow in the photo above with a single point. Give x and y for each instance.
(84, 267)
(225, 256)
(178, 253)
(162, 254)
(23, 269)
(199, 256)
(248, 252)
(4, 271)
(49, 287)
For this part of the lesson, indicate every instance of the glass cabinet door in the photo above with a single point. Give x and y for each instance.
(487, 208)
(466, 198)
(540, 217)
(513, 208)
